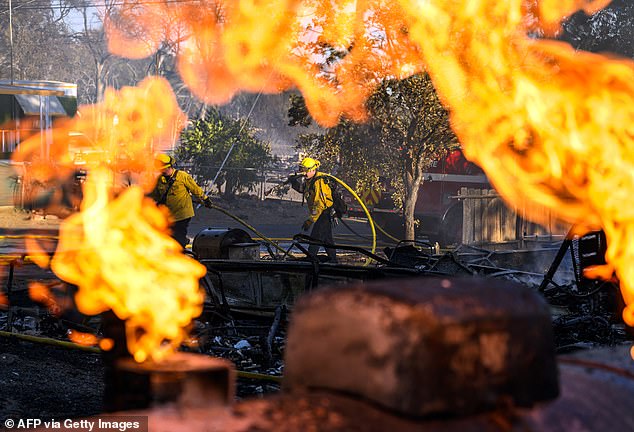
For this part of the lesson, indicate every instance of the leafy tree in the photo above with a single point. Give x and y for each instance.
(205, 144)
(407, 130)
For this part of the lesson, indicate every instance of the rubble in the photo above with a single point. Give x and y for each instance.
(583, 317)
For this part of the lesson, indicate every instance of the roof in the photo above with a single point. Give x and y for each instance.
(16, 89)
(30, 104)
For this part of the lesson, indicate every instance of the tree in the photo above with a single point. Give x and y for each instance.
(41, 47)
(92, 37)
(205, 144)
(407, 130)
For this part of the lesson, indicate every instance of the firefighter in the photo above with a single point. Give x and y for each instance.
(174, 189)
(318, 196)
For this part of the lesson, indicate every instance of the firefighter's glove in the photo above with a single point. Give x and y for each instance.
(306, 225)
(207, 202)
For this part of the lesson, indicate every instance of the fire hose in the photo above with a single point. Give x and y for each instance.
(342, 183)
(365, 210)
(268, 192)
(237, 219)
(97, 350)
(354, 194)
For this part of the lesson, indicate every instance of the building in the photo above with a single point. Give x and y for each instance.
(28, 108)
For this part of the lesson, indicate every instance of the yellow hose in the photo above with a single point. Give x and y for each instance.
(386, 234)
(236, 218)
(365, 209)
(348, 188)
(97, 350)
(258, 376)
(49, 341)
(31, 236)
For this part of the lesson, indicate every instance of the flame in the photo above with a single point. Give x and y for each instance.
(124, 132)
(106, 344)
(37, 253)
(82, 338)
(544, 121)
(119, 255)
(335, 52)
(547, 124)
(117, 249)
(41, 293)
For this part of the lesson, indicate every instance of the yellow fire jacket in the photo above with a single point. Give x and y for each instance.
(318, 196)
(178, 201)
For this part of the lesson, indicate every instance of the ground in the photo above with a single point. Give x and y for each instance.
(42, 380)
(253, 211)
(38, 379)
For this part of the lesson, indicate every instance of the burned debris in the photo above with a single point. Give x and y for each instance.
(249, 300)
(257, 294)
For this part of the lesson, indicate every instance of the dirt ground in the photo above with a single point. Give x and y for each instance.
(44, 382)
(266, 216)
(10, 218)
(252, 211)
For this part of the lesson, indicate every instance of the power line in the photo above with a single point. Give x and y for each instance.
(239, 132)
(11, 7)
(47, 6)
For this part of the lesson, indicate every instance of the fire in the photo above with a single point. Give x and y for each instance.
(335, 52)
(119, 255)
(124, 130)
(546, 123)
(82, 338)
(117, 249)
(36, 252)
(41, 293)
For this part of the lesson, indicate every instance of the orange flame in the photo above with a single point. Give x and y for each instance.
(117, 250)
(118, 253)
(334, 52)
(542, 120)
(82, 338)
(545, 122)
(4, 301)
(41, 293)
(37, 253)
(106, 344)
(130, 125)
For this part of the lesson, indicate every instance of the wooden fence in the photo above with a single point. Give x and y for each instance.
(488, 220)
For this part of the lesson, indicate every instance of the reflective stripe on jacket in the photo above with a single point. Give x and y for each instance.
(178, 201)
(318, 196)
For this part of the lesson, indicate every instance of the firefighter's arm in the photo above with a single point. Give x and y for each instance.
(196, 190)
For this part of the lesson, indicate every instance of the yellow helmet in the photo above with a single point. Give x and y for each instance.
(163, 161)
(308, 164)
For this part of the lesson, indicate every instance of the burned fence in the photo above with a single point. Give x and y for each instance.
(487, 220)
